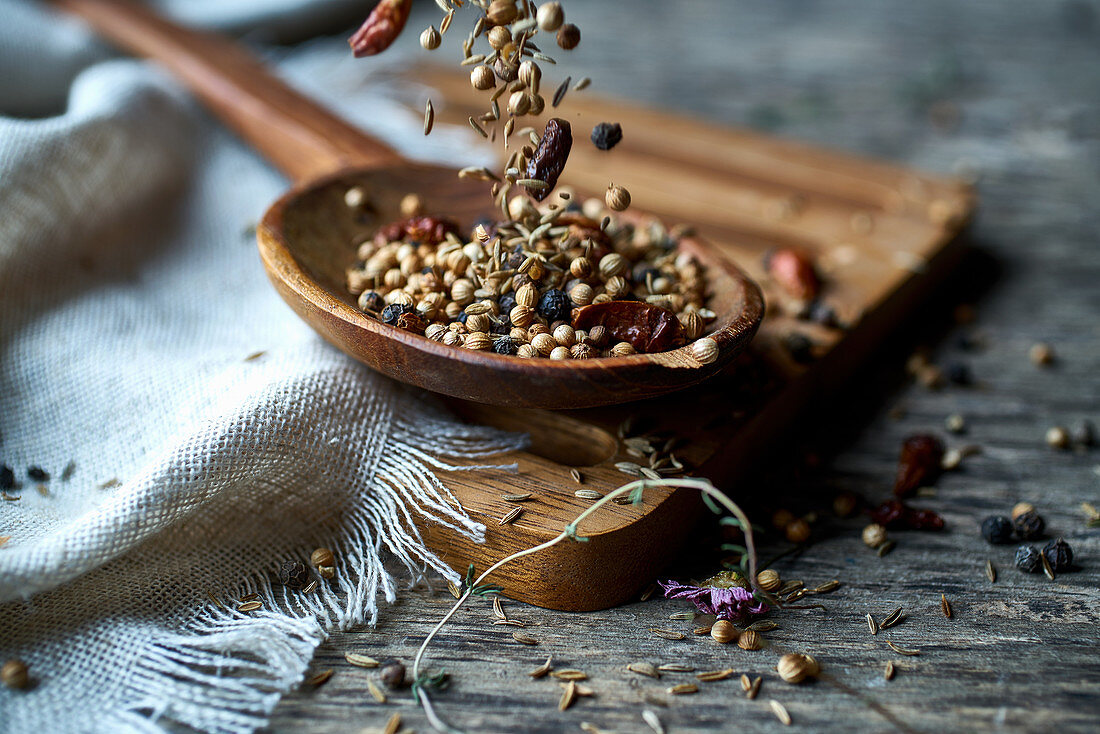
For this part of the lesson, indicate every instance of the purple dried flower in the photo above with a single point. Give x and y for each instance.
(730, 603)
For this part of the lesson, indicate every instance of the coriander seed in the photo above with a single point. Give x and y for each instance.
(1057, 438)
(749, 640)
(322, 557)
(874, 535)
(705, 350)
(569, 36)
(411, 205)
(723, 631)
(617, 198)
(550, 16)
(622, 349)
(482, 78)
(430, 38)
(768, 580)
(1042, 354)
(560, 353)
(796, 667)
(392, 673)
(14, 674)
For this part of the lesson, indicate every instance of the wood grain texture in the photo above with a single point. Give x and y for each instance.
(944, 86)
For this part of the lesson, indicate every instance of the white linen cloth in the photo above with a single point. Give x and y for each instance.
(131, 298)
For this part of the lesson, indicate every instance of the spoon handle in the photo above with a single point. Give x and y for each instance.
(298, 135)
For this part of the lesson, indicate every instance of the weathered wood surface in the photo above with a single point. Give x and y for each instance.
(1006, 88)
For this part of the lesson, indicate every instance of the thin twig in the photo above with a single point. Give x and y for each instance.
(570, 531)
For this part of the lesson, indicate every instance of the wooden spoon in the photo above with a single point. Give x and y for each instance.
(307, 238)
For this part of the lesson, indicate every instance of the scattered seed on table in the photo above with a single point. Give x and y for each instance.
(886, 547)
(990, 571)
(319, 679)
(675, 668)
(376, 692)
(945, 606)
(754, 688)
(568, 696)
(682, 616)
(542, 670)
(746, 684)
(587, 494)
(250, 606)
(872, 624)
(516, 497)
(570, 674)
(901, 650)
(888, 673)
(654, 723)
(516, 512)
(667, 634)
(646, 669)
(360, 661)
(891, 619)
(683, 689)
(453, 588)
(764, 625)
(498, 609)
(394, 724)
(827, 587)
(780, 712)
(577, 477)
(524, 639)
(715, 675)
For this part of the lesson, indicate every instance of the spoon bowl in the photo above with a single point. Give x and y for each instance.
(308, 238)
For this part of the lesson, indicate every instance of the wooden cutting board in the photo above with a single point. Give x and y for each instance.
(883, 235)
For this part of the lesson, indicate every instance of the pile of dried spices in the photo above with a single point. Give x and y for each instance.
(565, 281)
(547, 282)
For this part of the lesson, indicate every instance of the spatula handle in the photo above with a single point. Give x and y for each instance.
(295, 133)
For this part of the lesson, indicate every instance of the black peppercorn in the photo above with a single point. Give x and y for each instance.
(1029, 526)
(800, 347)
(507, 302)
(1027, 559)
(38, 474)
(959, 373)
(997, 529)
(293, 574)
(505, 345)
(822, 313)
(607, 135)
(392, 312)
(392, 673)
(1085, 435)
(7, 477)
(644, 270)
(555, 305)
(1059, 554)
(500, 325)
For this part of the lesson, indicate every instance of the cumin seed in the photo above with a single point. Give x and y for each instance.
(516, 497)
(888, 673)
(542, 670)
(559, 94)
(683, 689)
(568, 696)
(376, 692)
(667, 634)
(394, 724)
(755, 689)
(319, 679)
(654, 723)
(945, 606)
(901, 650)
(990, 571)
(524, 639)
(713, 675)
(780, 712)
(429, 117)
(360, 661)
(872, 624)
(250, 606)
(511, 516)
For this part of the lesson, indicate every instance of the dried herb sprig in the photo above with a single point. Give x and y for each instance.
(713, 496)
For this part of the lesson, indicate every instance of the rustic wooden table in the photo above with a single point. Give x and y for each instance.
(1005, 91)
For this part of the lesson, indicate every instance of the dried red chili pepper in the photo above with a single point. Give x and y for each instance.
(381, 28)
(549, 158)
(411, 321)
(794, 271)
(425, 230)
(896, 514)
(647, 328)
(920, 464)
(582, 228)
